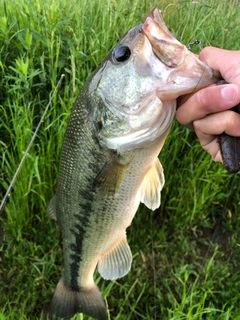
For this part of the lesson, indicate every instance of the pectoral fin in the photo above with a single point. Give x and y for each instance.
(51, 208)
(152, 185)
(110, 178)
(116, 263)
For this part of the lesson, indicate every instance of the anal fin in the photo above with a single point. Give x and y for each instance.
(152, 185)
(116, 263)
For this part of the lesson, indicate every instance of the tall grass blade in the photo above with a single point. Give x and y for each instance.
(29, 146)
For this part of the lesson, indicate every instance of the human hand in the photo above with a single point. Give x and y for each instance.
(207, 111)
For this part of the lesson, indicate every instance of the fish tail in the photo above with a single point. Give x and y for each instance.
(67, 301)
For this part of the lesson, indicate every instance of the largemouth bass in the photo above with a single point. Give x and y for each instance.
(109, 160)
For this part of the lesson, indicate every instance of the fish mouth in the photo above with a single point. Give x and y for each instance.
(173, 54)
(165, 46)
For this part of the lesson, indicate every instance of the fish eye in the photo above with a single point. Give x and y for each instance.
(121, 54)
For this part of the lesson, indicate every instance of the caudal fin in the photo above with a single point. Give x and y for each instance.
(66, 302)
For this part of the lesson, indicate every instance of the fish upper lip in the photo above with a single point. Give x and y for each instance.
(165, 46)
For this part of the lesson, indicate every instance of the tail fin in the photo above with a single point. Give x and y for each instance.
(66, 302)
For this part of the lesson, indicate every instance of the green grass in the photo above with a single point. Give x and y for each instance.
(186, 253)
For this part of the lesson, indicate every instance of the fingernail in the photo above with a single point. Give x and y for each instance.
(228, 93)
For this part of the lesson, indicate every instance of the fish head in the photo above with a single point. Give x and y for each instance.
(137, 85)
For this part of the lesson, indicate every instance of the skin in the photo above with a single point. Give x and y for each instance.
(207, 111)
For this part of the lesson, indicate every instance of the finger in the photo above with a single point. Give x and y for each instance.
(215, 58)
(206, 101)
(215, 124)
(209, 128)
(212, 147)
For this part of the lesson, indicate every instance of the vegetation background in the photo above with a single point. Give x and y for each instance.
(186, 253)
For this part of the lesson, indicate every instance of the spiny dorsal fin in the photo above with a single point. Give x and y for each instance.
(116, 263)
(51, 208)
(110, 178)
(152, 185)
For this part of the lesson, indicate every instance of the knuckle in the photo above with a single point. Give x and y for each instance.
(232, 121)
(200, 100)
(197, 124)
(205, 51)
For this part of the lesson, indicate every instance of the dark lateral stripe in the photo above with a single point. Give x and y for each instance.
(91, 151)
(79, 232)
